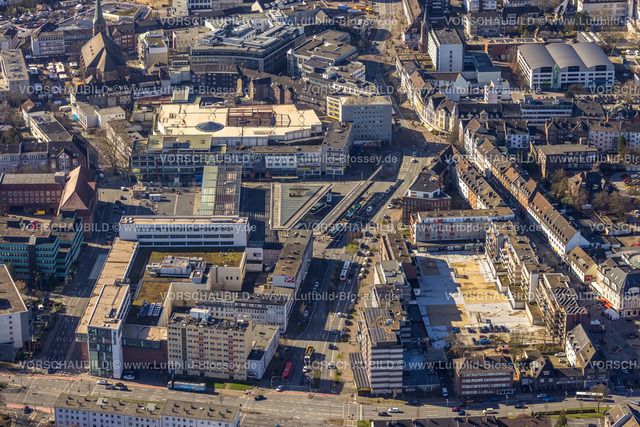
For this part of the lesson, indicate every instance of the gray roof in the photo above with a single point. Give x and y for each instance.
(564, 55)
(537, 56)
(591, 55)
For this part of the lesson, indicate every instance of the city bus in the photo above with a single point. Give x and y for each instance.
(345, 270)
(287, 371)
(588, 395)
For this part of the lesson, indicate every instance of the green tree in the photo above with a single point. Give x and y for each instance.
(622, 144)
(11, 137)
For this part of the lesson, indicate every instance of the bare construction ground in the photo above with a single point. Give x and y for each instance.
(457, 290)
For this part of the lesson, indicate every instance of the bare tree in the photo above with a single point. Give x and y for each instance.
(600, 392)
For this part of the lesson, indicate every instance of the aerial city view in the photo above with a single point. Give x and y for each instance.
(320, 213)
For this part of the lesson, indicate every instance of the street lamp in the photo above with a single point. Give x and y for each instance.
(507, 406)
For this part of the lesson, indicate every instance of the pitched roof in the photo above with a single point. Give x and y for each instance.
(103, 54)
(80, 191)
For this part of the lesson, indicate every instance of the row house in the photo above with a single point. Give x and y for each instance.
(550, 377)
(583, 266)
(560, 130)
(559, 232)
(475, 189)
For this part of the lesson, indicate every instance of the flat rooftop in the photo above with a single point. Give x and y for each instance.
(110, 300)
(109, 406)
(115, 268)
(291, 254)
(227, 257)
(184, 319)
(200, 411)
(146, 333)
(160, 220)
(223, 122)
(27, 178)
(10, 299)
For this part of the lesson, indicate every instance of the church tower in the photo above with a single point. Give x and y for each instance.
(99, 24)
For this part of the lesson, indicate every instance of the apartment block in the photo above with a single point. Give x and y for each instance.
(208, 347)
(484, 375)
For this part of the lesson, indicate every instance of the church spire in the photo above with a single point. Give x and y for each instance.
(99, 24)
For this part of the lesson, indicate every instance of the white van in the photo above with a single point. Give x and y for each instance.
(445, 392)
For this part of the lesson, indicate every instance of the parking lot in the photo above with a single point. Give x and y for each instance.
(458, 296)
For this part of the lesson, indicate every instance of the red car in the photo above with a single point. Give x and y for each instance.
(455, 409)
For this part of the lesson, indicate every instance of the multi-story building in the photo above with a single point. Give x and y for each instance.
(551, 158)
(371, 116)
(104, 330)
(14, 317)
(321, 52)
(560, 234)
(94, 411)
(185, 230)
(382, 350)
(46, 128)
(615, 10)
(202, 345)
(212, 5)
(294, 261)
(394, 246)
(537, 111)
(15, 73)
(446, 50)
(336, 148)
(457, 225)
(48, 247)
(266, 52)
(604, 135)
(558, 303)
(584, 355)
(484, 375)
(182, 38)
(425, 194)
(583, 266)
(480, 5)
(31, 192)
(560, 65)
(59, 42)
(153, 48)
(482, 24)
(618, 284)
(9, 38)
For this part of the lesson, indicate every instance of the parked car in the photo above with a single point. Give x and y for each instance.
(103, 382)
(541, 395)
(493, 399)
(382, 414)
(110, 387)
(519, 405)
(560, 354)
(124, 388)
(394, 410)
(119, 384)
(279, 388)
(461, 412)
(548, 399)
(455, 409)
(259, 397)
